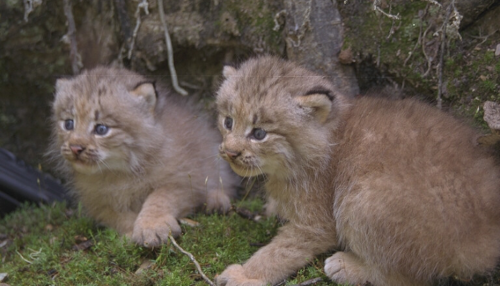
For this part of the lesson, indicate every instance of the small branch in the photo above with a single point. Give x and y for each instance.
(278, 19)
(192, 259)
(424, 44)
(377, 8)
(441, 57)
(171, 66)
(419, 40)
(484, 38)
(142, 5)
(29, 6)
(70, 38)
(22, 257)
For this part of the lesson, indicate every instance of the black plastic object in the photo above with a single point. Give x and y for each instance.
(21, 183)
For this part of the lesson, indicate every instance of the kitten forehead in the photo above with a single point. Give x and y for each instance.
(261, 79)
(99, 81)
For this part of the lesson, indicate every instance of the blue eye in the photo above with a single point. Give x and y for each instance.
(259, 133)
(69, 124)
(101, 129)
(228, 123)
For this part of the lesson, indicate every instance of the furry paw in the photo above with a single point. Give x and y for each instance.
(271, 207)
(153, 233)
(345, 268)
(234, 275)
(217, 200)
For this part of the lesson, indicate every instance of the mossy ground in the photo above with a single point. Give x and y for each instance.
(57, 245)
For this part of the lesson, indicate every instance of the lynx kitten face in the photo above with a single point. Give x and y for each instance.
(267, 131)
(137, 157)
(96, 138)
(397, 188)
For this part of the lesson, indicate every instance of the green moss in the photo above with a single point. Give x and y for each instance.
(46, 237)
(489, 85)
(255, 22)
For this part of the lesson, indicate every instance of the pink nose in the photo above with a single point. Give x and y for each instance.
(232, 154)
(77, 149)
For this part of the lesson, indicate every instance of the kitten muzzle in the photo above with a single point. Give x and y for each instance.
(232, 154)
(77, 149)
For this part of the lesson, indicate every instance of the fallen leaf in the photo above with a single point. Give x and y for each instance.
(345, 56)
(492, 114)
(189, 222)
(84, 245)
(80, 238)
(146, 264)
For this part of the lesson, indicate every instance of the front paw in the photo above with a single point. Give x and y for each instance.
(154, 232)
(218, 201)
(345, 268)
(234, 275)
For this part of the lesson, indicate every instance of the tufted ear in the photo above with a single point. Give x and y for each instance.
(147, 92)
(318, 103)
(228, 71)
(61, 84)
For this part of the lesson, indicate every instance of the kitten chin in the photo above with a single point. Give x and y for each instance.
(85, 168)
(398, 188)
(136, 156)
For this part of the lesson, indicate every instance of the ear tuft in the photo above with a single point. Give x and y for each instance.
(318, 105)
(147, 92)
(61, 83)
(228, 71)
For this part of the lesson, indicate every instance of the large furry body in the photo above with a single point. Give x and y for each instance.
(397, 188)
(136, 156)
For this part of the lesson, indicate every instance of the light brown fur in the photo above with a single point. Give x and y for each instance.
(158, 161)
(396, 187)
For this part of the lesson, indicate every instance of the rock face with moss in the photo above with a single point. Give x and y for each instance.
(427, 48)
(359, 44)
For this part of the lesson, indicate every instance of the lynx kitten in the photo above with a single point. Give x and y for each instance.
(396, 188)
(137, 157)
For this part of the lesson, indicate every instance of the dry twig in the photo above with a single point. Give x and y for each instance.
(419, 40)
(173, 73)
(310, 282)
(70, 38)
(29, 6)
(378, 9)
(142, 5)
(193, 260)
(441, 57)
(424, 44)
